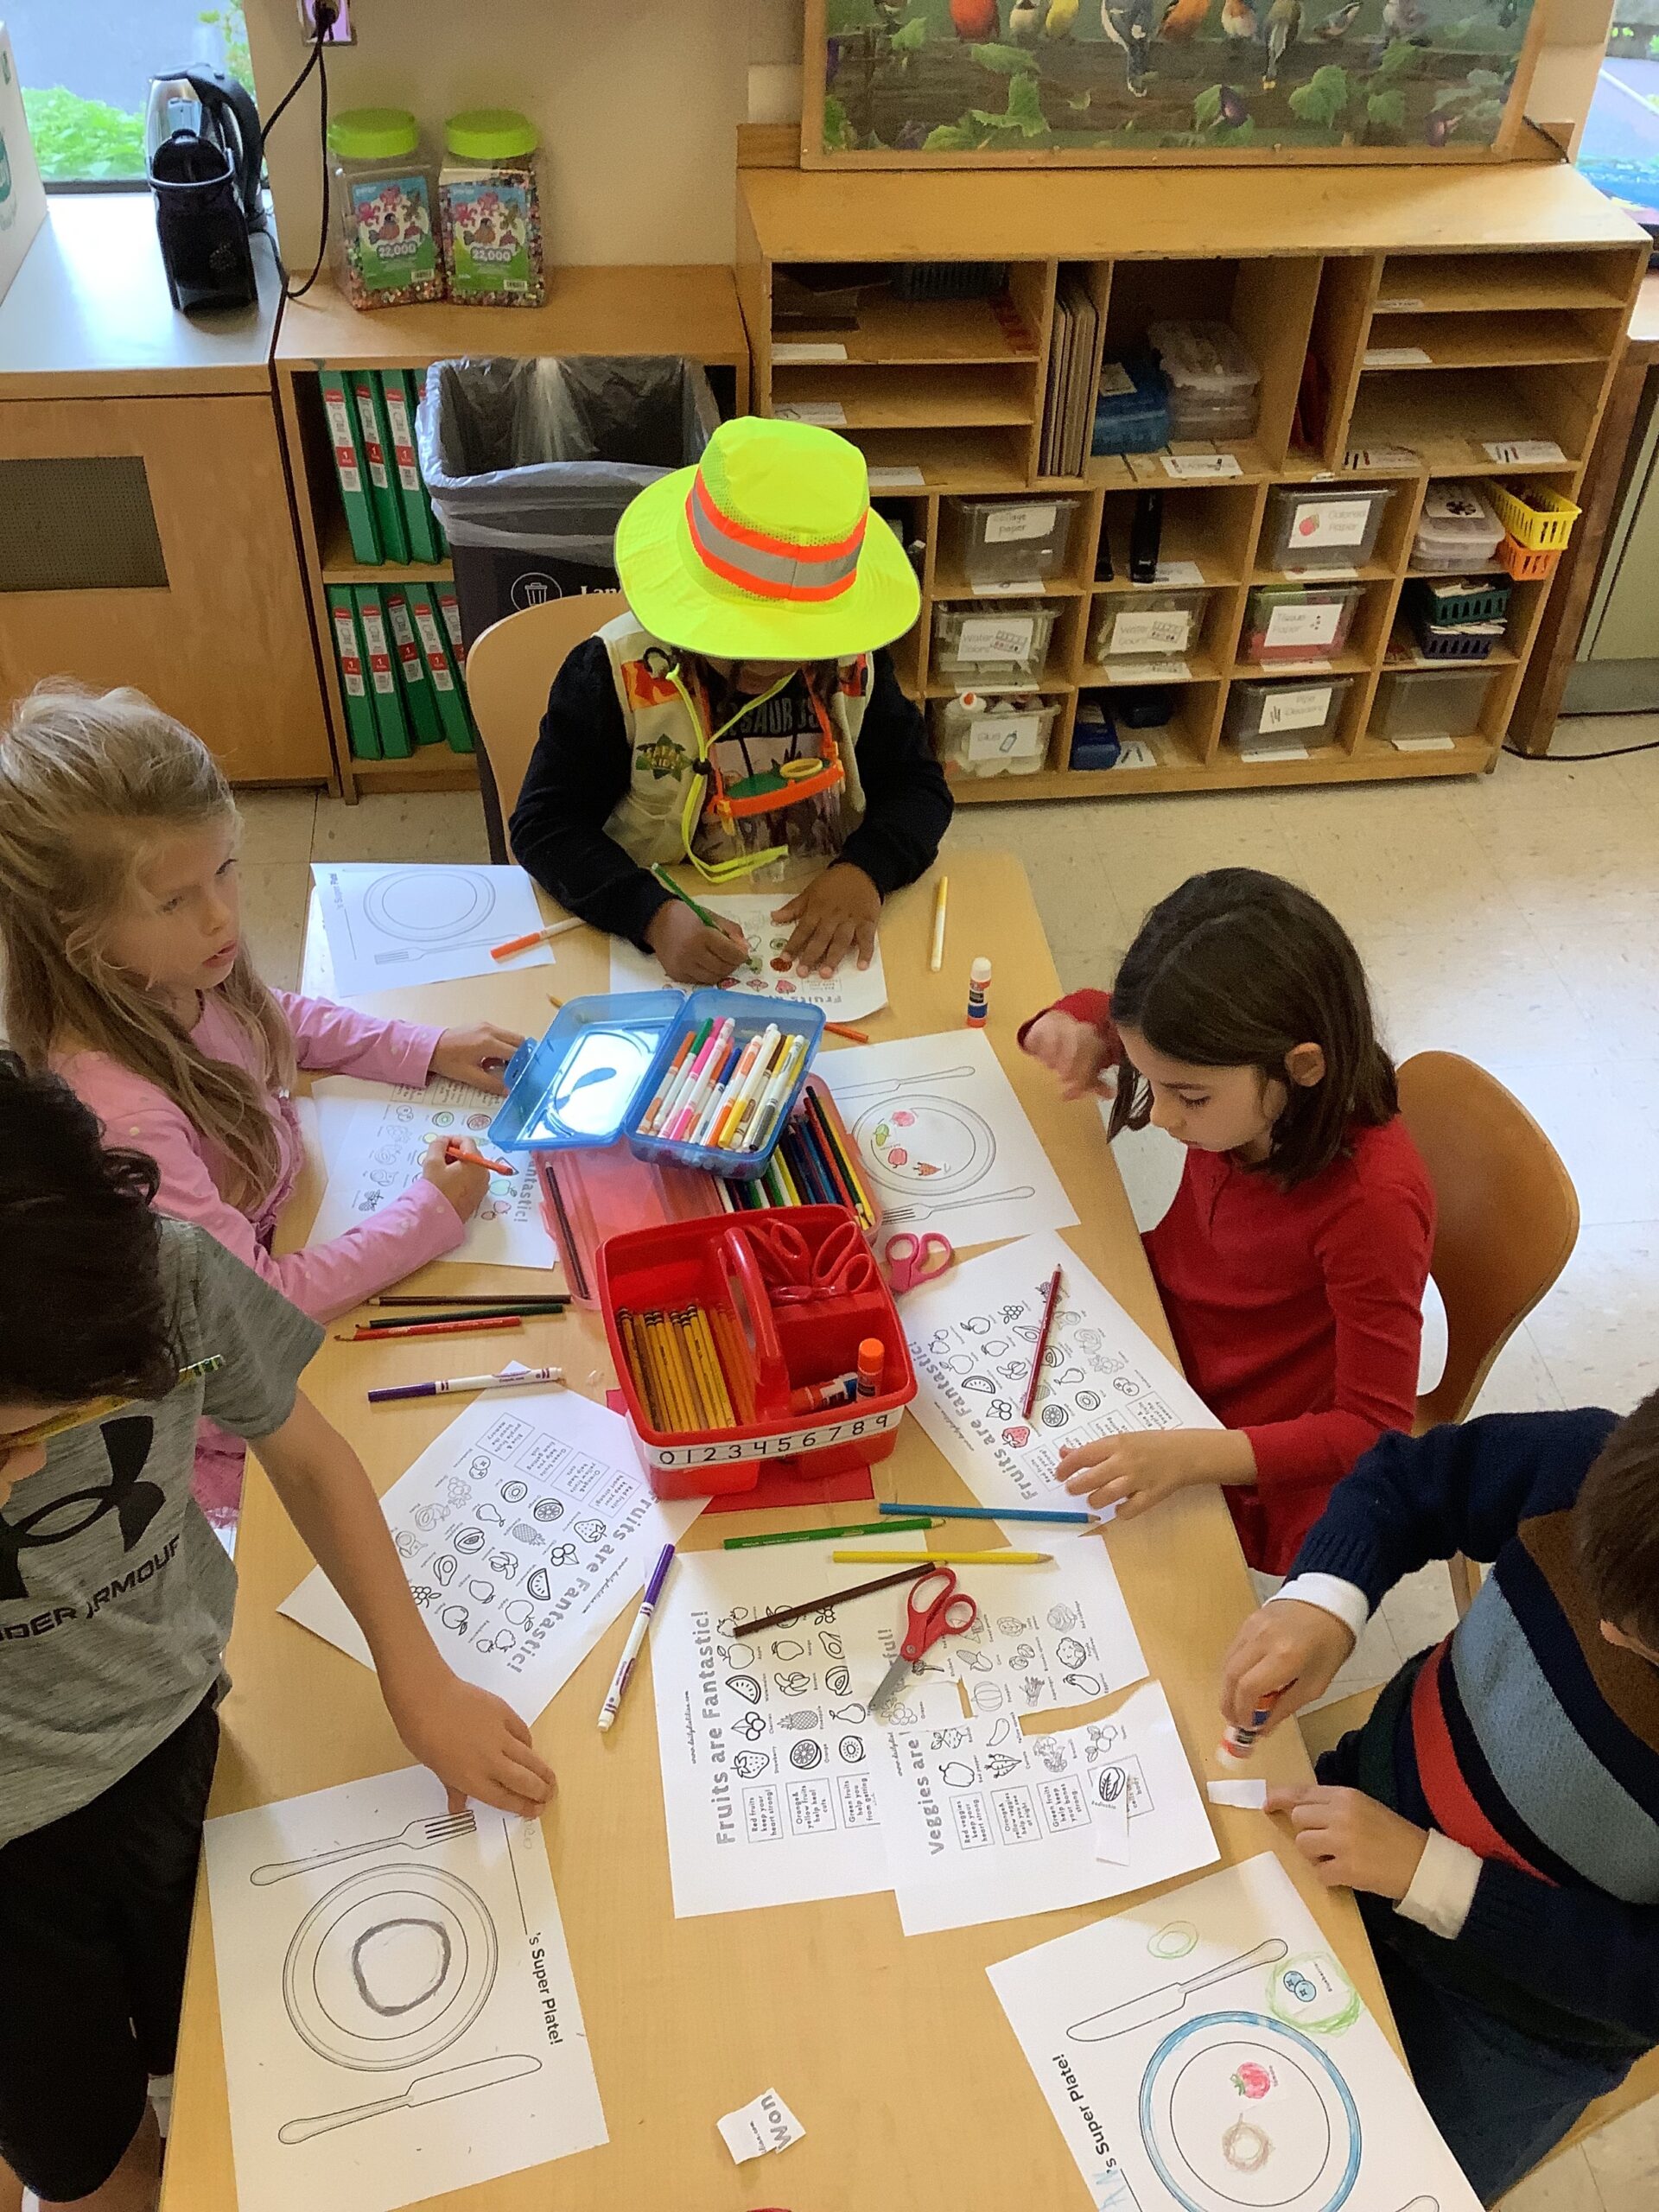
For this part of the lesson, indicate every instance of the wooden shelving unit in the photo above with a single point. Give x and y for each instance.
(686, 311)
(1448, 313)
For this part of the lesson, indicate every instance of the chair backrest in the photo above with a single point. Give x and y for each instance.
(1506, 1216)
(508, 672)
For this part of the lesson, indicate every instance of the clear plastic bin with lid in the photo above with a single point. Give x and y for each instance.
(386, 209)
(1214, 385)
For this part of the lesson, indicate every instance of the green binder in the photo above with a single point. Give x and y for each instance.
(384, 688)
(417, 515)
(348, 651)
(348, 467)
(381, 467)
(449, 610)
(411, 669)
(429, 628)
(439, 537)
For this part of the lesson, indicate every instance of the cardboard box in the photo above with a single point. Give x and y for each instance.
(22, 196)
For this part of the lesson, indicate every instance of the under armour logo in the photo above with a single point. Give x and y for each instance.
(134, 1503)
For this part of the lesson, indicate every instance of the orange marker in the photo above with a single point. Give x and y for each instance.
(455, 1150)
(845, 1029)
(536, 937)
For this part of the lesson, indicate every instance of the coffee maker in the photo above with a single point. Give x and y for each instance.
(203, 155)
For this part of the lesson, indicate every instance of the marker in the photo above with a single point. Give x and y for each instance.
(455, 1150)
(763, 1123)
(979, 983)
(631, 1650)
(1237, 1743)
(536, 937)
(993, 1512)
(505, 1381)
(820, 1536)
(690, 1042)
(872, 1363)
(946, 1559)
(936, 958)
(683, 1113)
(846, 1029)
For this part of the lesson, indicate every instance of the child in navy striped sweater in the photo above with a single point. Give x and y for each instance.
(1499, 1811)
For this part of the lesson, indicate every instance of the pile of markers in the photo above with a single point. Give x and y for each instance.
(723, 1093)
(679, 1370)
(814, 1165)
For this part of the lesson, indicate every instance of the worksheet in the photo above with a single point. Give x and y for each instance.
(389, 923)
(981, 1823)
(1204, 2051)
(525, 1529)
(396, 1999)
(1046, 1637)
(973, 1335)
(374, 1148)
(848, 995)
(944, 1140)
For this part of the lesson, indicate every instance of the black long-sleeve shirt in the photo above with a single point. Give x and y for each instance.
(581, 769)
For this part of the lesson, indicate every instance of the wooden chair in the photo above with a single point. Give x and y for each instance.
(508, 672)
(1506, 1218)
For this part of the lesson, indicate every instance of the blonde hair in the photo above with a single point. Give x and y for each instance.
(89, 781)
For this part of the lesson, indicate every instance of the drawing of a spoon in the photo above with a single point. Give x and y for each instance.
(1139, 2011)
(952, 1206)
(429, 2089)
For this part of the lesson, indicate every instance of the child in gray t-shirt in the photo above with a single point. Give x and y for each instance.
(118, 1331)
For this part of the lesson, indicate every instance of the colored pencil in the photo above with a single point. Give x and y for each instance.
(454, 1382)
(364, 1335)
(494, 1298)
(631, 1650)
(455, 1149)
(535, 936)
(936, 955)
(783, 1617)
(993, 1512)
(506, 1311)
(556, 1004)
(95, 1409)
(709, 921)
(946, 1559)
(846, 1029)
(1049, 1304)
(820, 1536)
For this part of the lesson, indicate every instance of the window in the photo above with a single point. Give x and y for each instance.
(1619, 150)
(85, 68)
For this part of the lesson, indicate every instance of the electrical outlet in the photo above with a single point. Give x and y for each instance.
(339, 32)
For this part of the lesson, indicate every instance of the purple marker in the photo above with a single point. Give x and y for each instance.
(635, 1644)
(508, 1379)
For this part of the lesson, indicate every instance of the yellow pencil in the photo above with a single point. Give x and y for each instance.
(704, 1344)
(946, 1558)
(732, 1347)
(691, 1358)
(936, 958)
(628, 1327)
(674, 1344)
(675, 1403)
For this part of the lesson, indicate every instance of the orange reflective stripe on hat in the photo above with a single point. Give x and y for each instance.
(772, 568)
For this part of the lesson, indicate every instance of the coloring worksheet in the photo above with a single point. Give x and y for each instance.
(374, 1147)
(390, 923)
(981, 1823)
(973, 1335)
(1206, 2052)
(944, 1140)
(525, 1529)
(848, 995)
(1046, 1637)
(398, 2012)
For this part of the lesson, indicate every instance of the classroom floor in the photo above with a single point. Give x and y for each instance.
(1513, 916)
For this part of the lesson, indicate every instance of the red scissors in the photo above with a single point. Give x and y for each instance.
(949, 1612)
(912, 1260)
(795, 1275)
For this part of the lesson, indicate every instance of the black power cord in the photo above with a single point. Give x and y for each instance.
(325, 13)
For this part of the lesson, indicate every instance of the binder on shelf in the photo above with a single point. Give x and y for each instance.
(449, 607)
(446, 691)
(360, 732)
(439, 537)
(379, 465)
(383, 688)
(348, 467)
(418, 702)
(399, 392)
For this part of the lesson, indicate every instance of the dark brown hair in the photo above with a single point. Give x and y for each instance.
(1234, 969)
(1615, 1523)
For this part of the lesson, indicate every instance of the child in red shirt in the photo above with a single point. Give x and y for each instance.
(1293, 1260)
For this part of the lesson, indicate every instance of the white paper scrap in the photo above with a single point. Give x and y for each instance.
(766, 2124)
(1201, 464)
(848, 995)
(787, 352)
(1249, 1796)
(389, 924)
(1111, 1818)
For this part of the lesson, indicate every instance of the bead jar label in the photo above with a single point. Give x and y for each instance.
(489, 236)
(395, 246)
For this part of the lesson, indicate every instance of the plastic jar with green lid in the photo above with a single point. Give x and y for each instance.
(385, 189)
(490, 203)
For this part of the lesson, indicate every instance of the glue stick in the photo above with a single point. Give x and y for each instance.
(1237, 1743)
(872, 1359)
(979, 983)
(815, 1397)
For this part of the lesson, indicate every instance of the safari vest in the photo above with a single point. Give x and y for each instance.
(668, 749)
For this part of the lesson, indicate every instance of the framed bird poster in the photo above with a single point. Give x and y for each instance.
(973, 84)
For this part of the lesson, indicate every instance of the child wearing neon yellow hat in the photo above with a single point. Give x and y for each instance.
(741, 712)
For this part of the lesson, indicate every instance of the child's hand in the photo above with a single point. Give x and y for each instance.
(690, 952)
(1286, 1654)
(474, 1743)
(835, 915)
(1074, 1050)
(463, 1182)
(1138, 1470)
(1350, 1841)
(476, 1055)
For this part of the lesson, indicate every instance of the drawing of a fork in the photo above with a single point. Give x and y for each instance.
(418, 1832)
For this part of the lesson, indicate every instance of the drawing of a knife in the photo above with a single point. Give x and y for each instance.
(1137, 2011)
(429, 2089)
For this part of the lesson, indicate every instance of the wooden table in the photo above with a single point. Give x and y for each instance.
(893, 2052)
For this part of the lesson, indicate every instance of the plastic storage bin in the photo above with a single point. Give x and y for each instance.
(749, 1016)
(386, 198)
(1299, 622)
(1455, 640)
(992, 643)
(1145, 622)
(1132, 407)
(1458, 599)
(1431, 705)
(1006, 541)
(1214, 385)
(490, 203)
(1535, 517)
(1307, 712)
(1457, 530)
(1313, 527)
(976, 736)
(1095, 742)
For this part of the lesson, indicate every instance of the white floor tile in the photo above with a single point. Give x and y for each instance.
(1520, 1380)
(276, 825)
(406, 826)
(1624, 2160)
(1596, 1331)
(273, 918)
(1562, 2184)
(1602, 1116)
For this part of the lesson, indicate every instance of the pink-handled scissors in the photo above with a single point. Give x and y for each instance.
(947, 1611)
(913, 1260)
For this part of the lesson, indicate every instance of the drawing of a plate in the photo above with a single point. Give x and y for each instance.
(420, 905)
(1238, 2110)
(389, 1967)
(925, 1143)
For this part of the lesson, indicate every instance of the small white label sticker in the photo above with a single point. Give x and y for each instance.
(1527, 451)
(1005, 737)
(766, 2124)
(991, 639)
(1165, 631)
(1303, 626)
(1116, 381)
(1331, 522)
(1151, 672)
(1326, 574)
(1182, 573)
(897, 479)
(1202, 464)
(1011, 525)
(1305, 709)
(1397, 357)
(827, 414)
(1398, 306)
(1368, 457)
(1447, 744)
(803, 350)
(1022, 588)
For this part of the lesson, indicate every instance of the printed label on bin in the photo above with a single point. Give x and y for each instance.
(1398, 357)
(1163, 632)
(827, 414)
(819, 1439)
(1006, 525)
(988, 638)
(1005, 737)
(1303, 626)
(1020, 587)
(1368, 457)
(1398, 307)
(490, 225)
(804, 350)
(1304, 709)
(1326, 573)
(1202, 464)
(1185, 574)
(392, 222)
(897, 479)
(339, 430)
(1525, 450)
(1116, 381)
(1331, 522)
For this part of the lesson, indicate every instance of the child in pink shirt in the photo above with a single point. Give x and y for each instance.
(125, 973)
